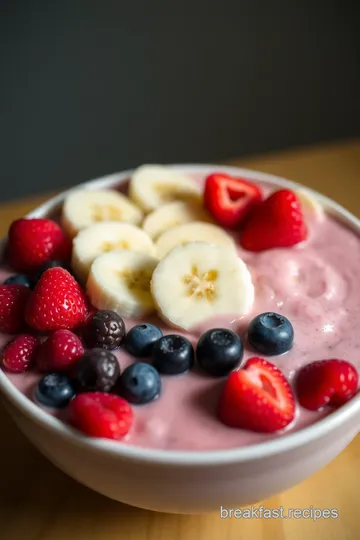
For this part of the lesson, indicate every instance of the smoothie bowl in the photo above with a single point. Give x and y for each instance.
(185, 337)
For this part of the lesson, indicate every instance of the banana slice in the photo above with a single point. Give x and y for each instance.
(151, 186)
(120, 281)
(104, 237)
(173, 214)
(310, 204)
(198, 281)
(83, 208)
(192, 232)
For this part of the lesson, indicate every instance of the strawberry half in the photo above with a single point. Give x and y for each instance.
(230, 200)
(57, 302)
(277, 222)
(33, 242)
(257, 397)
(326, 382)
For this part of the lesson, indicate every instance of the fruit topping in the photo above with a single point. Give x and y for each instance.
(120, 280)
(277, 222)
(257, 397)
(57, 302)
(106, 330)
(96, 371)
(104, 237)
(198, 281)
(271, 334)
(172, 355)
(13, 299)
(59, 352)
(172, 215)
(326, 382)
(83, 208)
(193, 232)
(101, 415)
(18, 279)
(219, 351)
(19, 354)
(54, 390)
(139, 383)
(32, 242)
(53, 263)
(151, 186)
(140, 339)
(230, 200)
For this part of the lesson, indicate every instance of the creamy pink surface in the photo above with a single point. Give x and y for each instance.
(314, 284)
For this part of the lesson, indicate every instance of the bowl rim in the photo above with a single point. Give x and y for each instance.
(284, 442)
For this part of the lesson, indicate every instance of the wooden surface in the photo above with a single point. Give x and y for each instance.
(37, 502)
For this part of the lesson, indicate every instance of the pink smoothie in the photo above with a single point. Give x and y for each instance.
(314, 284)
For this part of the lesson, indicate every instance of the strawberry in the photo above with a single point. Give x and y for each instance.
(32, 242)
(13, 299)
(257, 397)
(277, 222)
(326, 382)
(100, 414)
(57, 302)
(230, 200)
(19, 354)
(59, 352)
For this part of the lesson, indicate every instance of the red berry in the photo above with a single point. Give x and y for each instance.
(230, 200)
(326, 382)
(102, 415)
(19, 354)
(277, 222)
(57, 302)
(13, 299)
(257, 397)
(32, 242)
(59, 352)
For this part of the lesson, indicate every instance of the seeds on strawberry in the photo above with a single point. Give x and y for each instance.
(230, 200)
(277, 222)
(13, 299)
(32, 242)
(257, 397)
(57, 302)
(326, 382)
(19, 354)
(103, 415)
(59, 352)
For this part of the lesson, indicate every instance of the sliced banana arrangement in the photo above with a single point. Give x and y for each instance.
(105, 237)
(173, 214)
(195, 231)
(120, 281)
(152, 186)
(83, 208)
(198, 281)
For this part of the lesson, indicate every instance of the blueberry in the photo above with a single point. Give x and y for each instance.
(105, 330)
(18, 279)
(219, 351)
(271, 334)
(54, 390)
(173, 355)
(140, 383)
(48, 264)
(97, 371)
(140, 339)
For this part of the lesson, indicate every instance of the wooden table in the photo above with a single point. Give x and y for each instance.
(38, 502)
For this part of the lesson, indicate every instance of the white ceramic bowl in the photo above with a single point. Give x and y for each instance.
(178, 481)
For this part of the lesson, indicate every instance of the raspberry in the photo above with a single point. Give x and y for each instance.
(59, 352)
(19, 354)
(101, 415)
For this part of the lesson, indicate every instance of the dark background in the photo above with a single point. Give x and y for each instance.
(91, 87)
